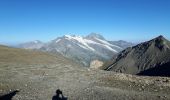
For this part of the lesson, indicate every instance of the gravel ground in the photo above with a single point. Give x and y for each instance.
(39, 82)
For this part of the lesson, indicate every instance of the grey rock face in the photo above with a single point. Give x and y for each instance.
(144, 56)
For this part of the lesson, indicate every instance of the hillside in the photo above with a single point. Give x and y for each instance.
(10, 55)
(142, 57)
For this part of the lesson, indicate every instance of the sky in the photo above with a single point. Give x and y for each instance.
(45, 20)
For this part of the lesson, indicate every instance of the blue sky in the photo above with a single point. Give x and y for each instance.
(130, 20)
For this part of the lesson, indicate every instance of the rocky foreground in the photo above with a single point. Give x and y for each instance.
(39, 82)
(37, 75)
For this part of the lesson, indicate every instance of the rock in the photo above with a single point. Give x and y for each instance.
(140, 89)
(143, 87)
(96, 64)
(159, 97)
(166, 81)
(156, 90)
(161, 88)
(165, 96)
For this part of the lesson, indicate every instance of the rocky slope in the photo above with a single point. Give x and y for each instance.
(143, 57)
(38, 75)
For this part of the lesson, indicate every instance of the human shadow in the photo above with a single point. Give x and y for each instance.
(59, 95)
(9, 96)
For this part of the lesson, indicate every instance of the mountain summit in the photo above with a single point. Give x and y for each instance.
(142, 57)
(95, 35)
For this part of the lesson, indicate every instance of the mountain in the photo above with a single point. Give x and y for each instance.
(122, 44)
(148, 58)
(31, 45)
(95, 35)
(83, 49)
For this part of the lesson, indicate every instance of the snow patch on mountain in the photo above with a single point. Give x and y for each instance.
(58, 40)
(36, 41)
(107, 43)
(85, 43)
(82, 42)
(110, 48)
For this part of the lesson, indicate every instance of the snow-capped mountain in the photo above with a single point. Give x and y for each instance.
(83, 49)
(32, 45)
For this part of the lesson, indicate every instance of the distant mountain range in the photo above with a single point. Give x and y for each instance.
(148, 58)
(81, 49)
(31, 45)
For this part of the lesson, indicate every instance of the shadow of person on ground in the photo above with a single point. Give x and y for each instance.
(9, 96)
(59, 95)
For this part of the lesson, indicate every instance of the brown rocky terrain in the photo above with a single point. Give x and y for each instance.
(38, 75)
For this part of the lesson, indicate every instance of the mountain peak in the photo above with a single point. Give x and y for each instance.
(37, 41)
(95, 35)
(72, 36)
(144, 56)
(161, 37)
(160, 42)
